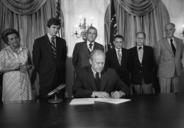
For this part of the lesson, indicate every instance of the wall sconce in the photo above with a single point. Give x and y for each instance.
(81, 28)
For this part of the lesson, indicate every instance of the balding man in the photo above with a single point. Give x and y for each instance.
(83, 50)
(95, 81)
(168, 53)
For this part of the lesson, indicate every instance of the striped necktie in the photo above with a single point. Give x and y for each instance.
(53, 45)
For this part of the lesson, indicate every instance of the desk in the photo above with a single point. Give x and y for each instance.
(159, 111)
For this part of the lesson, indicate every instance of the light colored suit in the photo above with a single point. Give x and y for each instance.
(169, 65)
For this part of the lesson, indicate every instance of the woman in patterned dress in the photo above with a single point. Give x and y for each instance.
(14, 65)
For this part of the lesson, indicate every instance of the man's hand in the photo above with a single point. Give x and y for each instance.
(117, 94)
(100, 94)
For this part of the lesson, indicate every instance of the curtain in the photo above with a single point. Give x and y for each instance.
(152, 21)
(107, 23)
(23, 7)
(31, 23)
(137, 7)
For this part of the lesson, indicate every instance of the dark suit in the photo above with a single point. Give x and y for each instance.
(112, 62)
(81, 54)
(85, 82)
(51, 70)
(141, 71)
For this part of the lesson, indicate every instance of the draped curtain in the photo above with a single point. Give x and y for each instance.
(29, 17)
(23, 7)
(149, 16)
(107, 23)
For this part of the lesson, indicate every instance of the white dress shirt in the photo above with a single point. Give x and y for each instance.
(140, 51)
(119, 55)
(90, 49)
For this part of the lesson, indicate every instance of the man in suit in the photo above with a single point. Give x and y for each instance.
(95, 81)
(169, 53)
(49, 57)
(117, 58)
(141, 65)
(82, 50)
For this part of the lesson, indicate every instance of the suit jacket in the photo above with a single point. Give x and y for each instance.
(81, 54)
(51, 70)
(121, 69)
(85, 82)
(141, 71)
(168, 64)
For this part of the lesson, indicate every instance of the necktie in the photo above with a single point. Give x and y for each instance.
(97, 81)
(119, 56)
(90, 46)
(172, 46)
(53, 45)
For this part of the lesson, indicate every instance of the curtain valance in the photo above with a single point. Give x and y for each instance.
(23, 7)
(137, 7)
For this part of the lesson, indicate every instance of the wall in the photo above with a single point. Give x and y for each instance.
(176, 12)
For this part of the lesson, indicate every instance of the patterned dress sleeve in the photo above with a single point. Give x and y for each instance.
(2, 60)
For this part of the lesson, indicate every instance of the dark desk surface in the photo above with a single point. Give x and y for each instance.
(160, 111)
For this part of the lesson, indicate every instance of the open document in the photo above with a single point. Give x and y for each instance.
(86, 101)
(111, 100)
(82, 101)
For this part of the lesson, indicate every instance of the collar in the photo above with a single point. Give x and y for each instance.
(169, 40)
(94, 72)
(138, 47)
(49, 36)
(118, 49)
(89, 42)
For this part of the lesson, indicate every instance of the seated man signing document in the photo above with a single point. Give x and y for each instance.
(97, 81)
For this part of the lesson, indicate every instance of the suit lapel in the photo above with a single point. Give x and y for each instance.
(177, 45)
(103, 80)
(47, 41)
(123, 56)
(137, 56)
(95, 46)
(166, 44)
(144, 53)
(85, 48)
(57, 47)
(115, 56)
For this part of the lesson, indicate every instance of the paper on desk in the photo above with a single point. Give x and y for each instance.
(111, 100)
(82, 101)
(86, 101)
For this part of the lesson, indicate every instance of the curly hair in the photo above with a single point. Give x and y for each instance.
(53, 21)
(7, 32)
